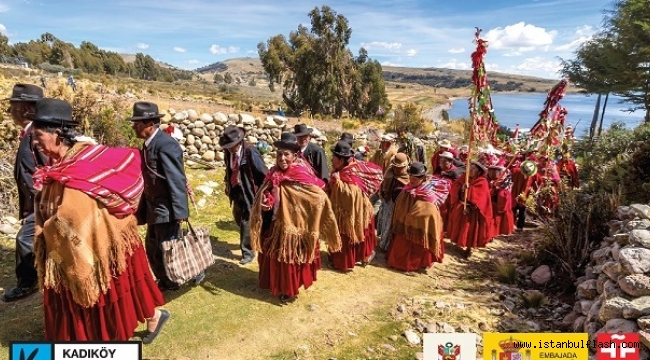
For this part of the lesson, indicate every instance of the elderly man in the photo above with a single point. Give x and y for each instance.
(165, 202)
(312, 153)
(22, 100)
(385, 153)
(245, 173)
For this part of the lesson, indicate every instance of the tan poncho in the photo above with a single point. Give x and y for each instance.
(303, 216)
(383, 159)
(78, 243)
(419, 221)
(353, 209)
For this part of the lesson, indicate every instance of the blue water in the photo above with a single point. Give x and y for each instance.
(524, 109)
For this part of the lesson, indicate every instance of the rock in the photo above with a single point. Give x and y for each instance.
(541, 275)
(600, 254)
(412, 337)
(619, 325)
(440, 304)
(585, 305)
(10, 220)
(199, 124)
(171, 111)
(579, 324)
(635, 260)
(443, 327)
(281, 120)
(616, 251)
(592, 315)
(7, 229)
(611, 290)
(638, 224)
(192, 115)
(388, 347)
(622, 239)
(208, 156)
(570, 319)
(220, 156)
(206, 140)
(192, 150)
(431, 328)
(641, 210)
(204, 189)
(190, 139)
(198, 132)
(613, 269)
(600, 282)
(644, 337)
(246, 119)
(640, 238)
(401, 308)
(206, 118)
(637, 308)
(643, 323)
(419, 356)
(166, 119)
(483, 326)
(210, 126)
(635, 285)
(201, 203)
(613, 308)
(220, 118)
(393, 337)
(587, 290)
(252, 140)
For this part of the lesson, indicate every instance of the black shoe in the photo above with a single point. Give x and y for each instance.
(151, 336)
(286, 299)
(198, 278)
(245, 261)
(168, 285)
(18, 293)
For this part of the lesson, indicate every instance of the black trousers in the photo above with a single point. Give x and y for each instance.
(156, 234)
(520, 216)
(241, 215)
(25, 268)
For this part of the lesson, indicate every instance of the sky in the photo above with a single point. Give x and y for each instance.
(527, 37)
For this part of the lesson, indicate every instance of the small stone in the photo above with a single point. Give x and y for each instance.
(201, 203)
(11, 220)
(419, 356)
(640, 238)
(612, 309)
(7, 229)
(192, 115)
(644, 337)
(643, 323)
(440, 304)
(635, 285)
(641, 210)
(635, 260)
(483, 326)
(541, 275)
(579, 324)
(417, 312)
(619, 325)
(393, 337)
(443, 327)
(312, 307)
(412, 337)
(587, 290)
(637, 308)
(401, 308)
(204, 189)
(431, 328)
(388, 347)
(208, 155)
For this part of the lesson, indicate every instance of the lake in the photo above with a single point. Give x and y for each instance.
(524, 109)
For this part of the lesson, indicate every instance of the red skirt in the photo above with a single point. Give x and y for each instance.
(504, 224)
(408, 256)
(351, 254)
(472, 230)
(132, 298)
(282, 278)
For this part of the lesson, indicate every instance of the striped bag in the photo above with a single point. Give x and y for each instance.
(188, 255)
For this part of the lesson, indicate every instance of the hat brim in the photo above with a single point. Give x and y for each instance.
(48, 120)
(232, 143)
(451, 158)
(303, 133)
(340, 154)
(20, 100)
(145, 118)
(283, 145)
(479, 165)
(399, 165)
(419, 174)
(496, 167)
(445, 145)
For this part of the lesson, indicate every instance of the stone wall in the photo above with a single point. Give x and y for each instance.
(199, 134)
(614, 294)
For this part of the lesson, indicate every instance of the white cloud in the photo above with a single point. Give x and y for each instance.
(457, 50)
(582, 34)
(411, 52)
(193, 61)
(251, 52)
(454, 64)
(538, 66)
(388, 63)
(179, 49)
(520, 36)
(4, 8)
(514, 53)
(3, 30)
(142, 46)
(216, 49)
(382, 45)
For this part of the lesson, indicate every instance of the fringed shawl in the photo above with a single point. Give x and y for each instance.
(365, 175)
(386, 187)
(78, 244)
(352, 208)
(433, 189)
(303, 215)
(419, 221)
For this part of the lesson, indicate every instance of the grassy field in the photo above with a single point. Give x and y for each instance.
(342, 316)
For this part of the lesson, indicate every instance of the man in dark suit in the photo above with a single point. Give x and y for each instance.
(22, 101)
(165, 202)
(245, 172)
(312, 153)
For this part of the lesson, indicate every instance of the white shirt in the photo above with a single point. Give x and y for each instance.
(232, 156)
(148, 141)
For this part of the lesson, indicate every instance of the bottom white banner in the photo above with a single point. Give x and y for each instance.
(105, 350)
(453, 346)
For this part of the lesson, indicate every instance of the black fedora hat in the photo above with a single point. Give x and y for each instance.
(346, 136)
(287, 141)
(417, 169)
(53, 112)
(342, 149)
(231, 136)
(302, 130)
(144, 110)
(25, 93)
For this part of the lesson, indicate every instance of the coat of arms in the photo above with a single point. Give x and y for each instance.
(449, 352)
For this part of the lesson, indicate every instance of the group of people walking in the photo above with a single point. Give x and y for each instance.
(81, 204)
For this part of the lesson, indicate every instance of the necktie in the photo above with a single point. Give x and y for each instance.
(302, 155)
(22, 133)
(234, 166)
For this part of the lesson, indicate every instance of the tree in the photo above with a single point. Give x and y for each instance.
(218, 78)
(318, 73)
(228, 80)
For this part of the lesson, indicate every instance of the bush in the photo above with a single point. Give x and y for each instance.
(577, 229)
(407, 119)
(350, 124)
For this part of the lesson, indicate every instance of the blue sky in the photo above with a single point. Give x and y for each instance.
(526, 36)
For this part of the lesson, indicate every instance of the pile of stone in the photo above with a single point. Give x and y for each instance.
(614, 294)
(199, 134)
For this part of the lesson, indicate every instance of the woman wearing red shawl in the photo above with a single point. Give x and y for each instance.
(416, 228)
(351, 184)
(290, 213)
(91, 264)
(546, 185)
(569, 171)
(395, 178)
(471, 226)
(500, 189)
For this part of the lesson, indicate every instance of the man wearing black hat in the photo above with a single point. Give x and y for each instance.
(245, 172)
(164, 202)
(22, 101)
(313, 154)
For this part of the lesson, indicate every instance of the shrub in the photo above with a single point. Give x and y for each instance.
(533, 299)
(407, 119)
(579, 226)
(350, 124)
(506, 273)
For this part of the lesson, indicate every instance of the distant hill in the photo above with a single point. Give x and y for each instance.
(129, 58)
(444, 78)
